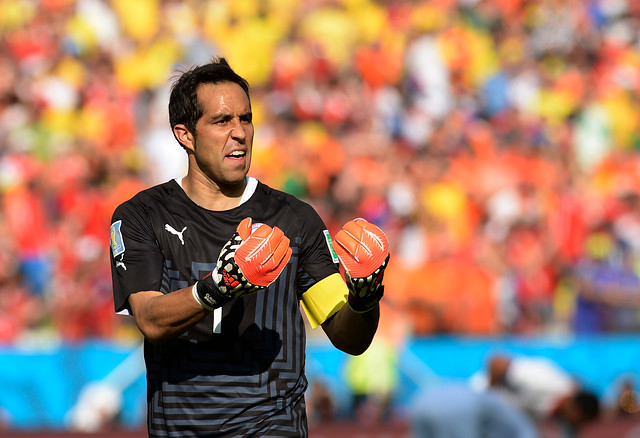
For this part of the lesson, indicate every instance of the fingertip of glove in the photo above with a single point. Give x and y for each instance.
(360, 221)
(276, 235)
(244, 228)
(363, 230)
(345, 244)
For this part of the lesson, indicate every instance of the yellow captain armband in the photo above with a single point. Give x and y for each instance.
(324, 299)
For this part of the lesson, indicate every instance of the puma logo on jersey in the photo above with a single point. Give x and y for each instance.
(172, 230)
(121, 264)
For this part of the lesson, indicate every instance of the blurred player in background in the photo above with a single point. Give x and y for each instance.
(455, 410)
(214, 267)
(543, 390)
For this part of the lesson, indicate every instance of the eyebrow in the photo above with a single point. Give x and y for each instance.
(227, 115)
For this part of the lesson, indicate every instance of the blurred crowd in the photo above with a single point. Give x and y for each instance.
(495, 142)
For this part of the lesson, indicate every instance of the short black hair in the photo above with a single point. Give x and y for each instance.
(588, 404)
(184, 107)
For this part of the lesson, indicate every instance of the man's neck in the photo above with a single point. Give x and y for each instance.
(212, 196)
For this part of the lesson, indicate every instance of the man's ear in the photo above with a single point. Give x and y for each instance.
(184, 136)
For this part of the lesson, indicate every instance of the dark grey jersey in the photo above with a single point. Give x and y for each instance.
(239, 371)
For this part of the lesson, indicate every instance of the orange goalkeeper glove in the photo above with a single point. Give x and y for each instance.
(251, 260)
(363, 250)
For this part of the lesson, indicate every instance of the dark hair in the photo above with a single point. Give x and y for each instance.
(184, 107)
(588, 404)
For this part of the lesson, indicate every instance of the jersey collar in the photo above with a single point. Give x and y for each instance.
(249, 189)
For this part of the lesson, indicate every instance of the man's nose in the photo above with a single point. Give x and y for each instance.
(237, 128)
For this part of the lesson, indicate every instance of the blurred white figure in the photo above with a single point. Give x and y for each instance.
(541, 389)
(426, 66)
(166, 159)
(100, 403)
(98, 406)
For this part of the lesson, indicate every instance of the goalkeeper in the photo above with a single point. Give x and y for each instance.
(214, 266)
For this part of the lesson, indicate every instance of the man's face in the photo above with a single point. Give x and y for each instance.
(224, 133)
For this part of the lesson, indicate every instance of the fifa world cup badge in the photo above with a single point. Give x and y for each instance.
(117, 244)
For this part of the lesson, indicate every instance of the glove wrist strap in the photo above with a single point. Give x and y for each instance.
(207, 293)
(368, 303)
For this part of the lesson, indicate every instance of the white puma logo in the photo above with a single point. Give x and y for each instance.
(172, 230)
(120, 263)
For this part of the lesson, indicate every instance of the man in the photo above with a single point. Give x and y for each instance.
(214, 266)
(454, 410)
(543, 390)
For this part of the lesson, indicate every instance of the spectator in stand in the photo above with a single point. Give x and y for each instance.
(607, 284)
